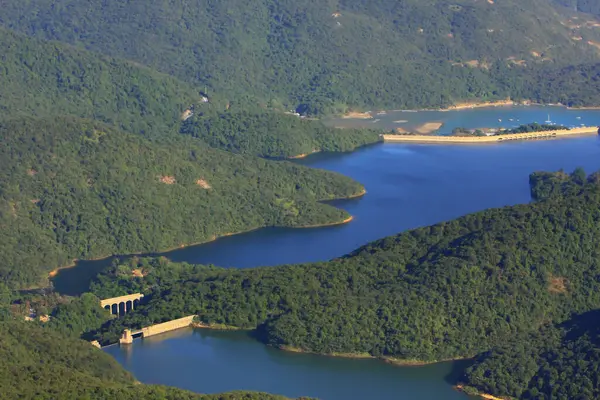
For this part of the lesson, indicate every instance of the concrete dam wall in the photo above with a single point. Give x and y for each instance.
(128, 334)
(490, 139)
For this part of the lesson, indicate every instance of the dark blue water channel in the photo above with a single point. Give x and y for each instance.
(407, 186)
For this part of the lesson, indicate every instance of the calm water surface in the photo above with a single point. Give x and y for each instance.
(492, 117)
(407, 186)
(221, 361)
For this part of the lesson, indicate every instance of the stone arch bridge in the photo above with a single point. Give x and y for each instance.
(122, 304)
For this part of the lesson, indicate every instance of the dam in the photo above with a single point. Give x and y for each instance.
(491, 139)
(129, 334)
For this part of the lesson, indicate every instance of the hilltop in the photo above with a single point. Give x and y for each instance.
(383, 53)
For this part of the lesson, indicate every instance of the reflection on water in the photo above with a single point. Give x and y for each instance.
(209, 361)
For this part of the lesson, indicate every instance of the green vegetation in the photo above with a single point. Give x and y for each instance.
(467, 132)
(38, 363)
(48, 79)
(443, 50)
(72, 188)
(450, 290)
(553, 185)
(271, 134)
(42, 79)
(533, 127)
(558, 362)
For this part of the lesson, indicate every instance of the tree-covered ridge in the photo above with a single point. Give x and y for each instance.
(323, 56)
(271, 134)
(41, 78)
(557, 362)
(48, 78)
(450, 290)
(39, 363)
(73, 188)
(552, 185)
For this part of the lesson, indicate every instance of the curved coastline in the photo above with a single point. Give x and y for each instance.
(390, 360)
(52, 274)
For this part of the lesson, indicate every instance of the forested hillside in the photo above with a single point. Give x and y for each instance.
(38, 363)
(323, 56)
(450, 290)
(39, 78)
(271, 134)
(72, 188)
(558, 362)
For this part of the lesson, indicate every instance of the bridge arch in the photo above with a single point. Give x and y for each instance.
(122, 304)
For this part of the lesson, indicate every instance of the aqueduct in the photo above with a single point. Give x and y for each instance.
(122, 304)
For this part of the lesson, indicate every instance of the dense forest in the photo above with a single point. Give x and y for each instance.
(451, 290)
(554, 185)
(37, 362)
(43, 79)
(444, 50)
(272, 134)
(559, 362)
(72, 188)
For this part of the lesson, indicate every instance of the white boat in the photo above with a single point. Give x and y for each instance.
(577, 117)
(548, 121)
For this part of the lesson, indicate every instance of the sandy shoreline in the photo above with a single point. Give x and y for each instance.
(484, 104)
(482, 395)
(357, 115)
(428, 127)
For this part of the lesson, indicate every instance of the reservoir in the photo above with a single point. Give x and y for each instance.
(407, 186)
(490, 117)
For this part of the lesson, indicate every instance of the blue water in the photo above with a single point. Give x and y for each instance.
(493, 117)
(212, 362)
(407, 186)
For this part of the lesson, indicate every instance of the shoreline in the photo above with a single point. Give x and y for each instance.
(357, 115)
(483, 104)
(366, 356)
(303, 155)
(487, 396)
(55, 272)
(349, 219)
(460, 106)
